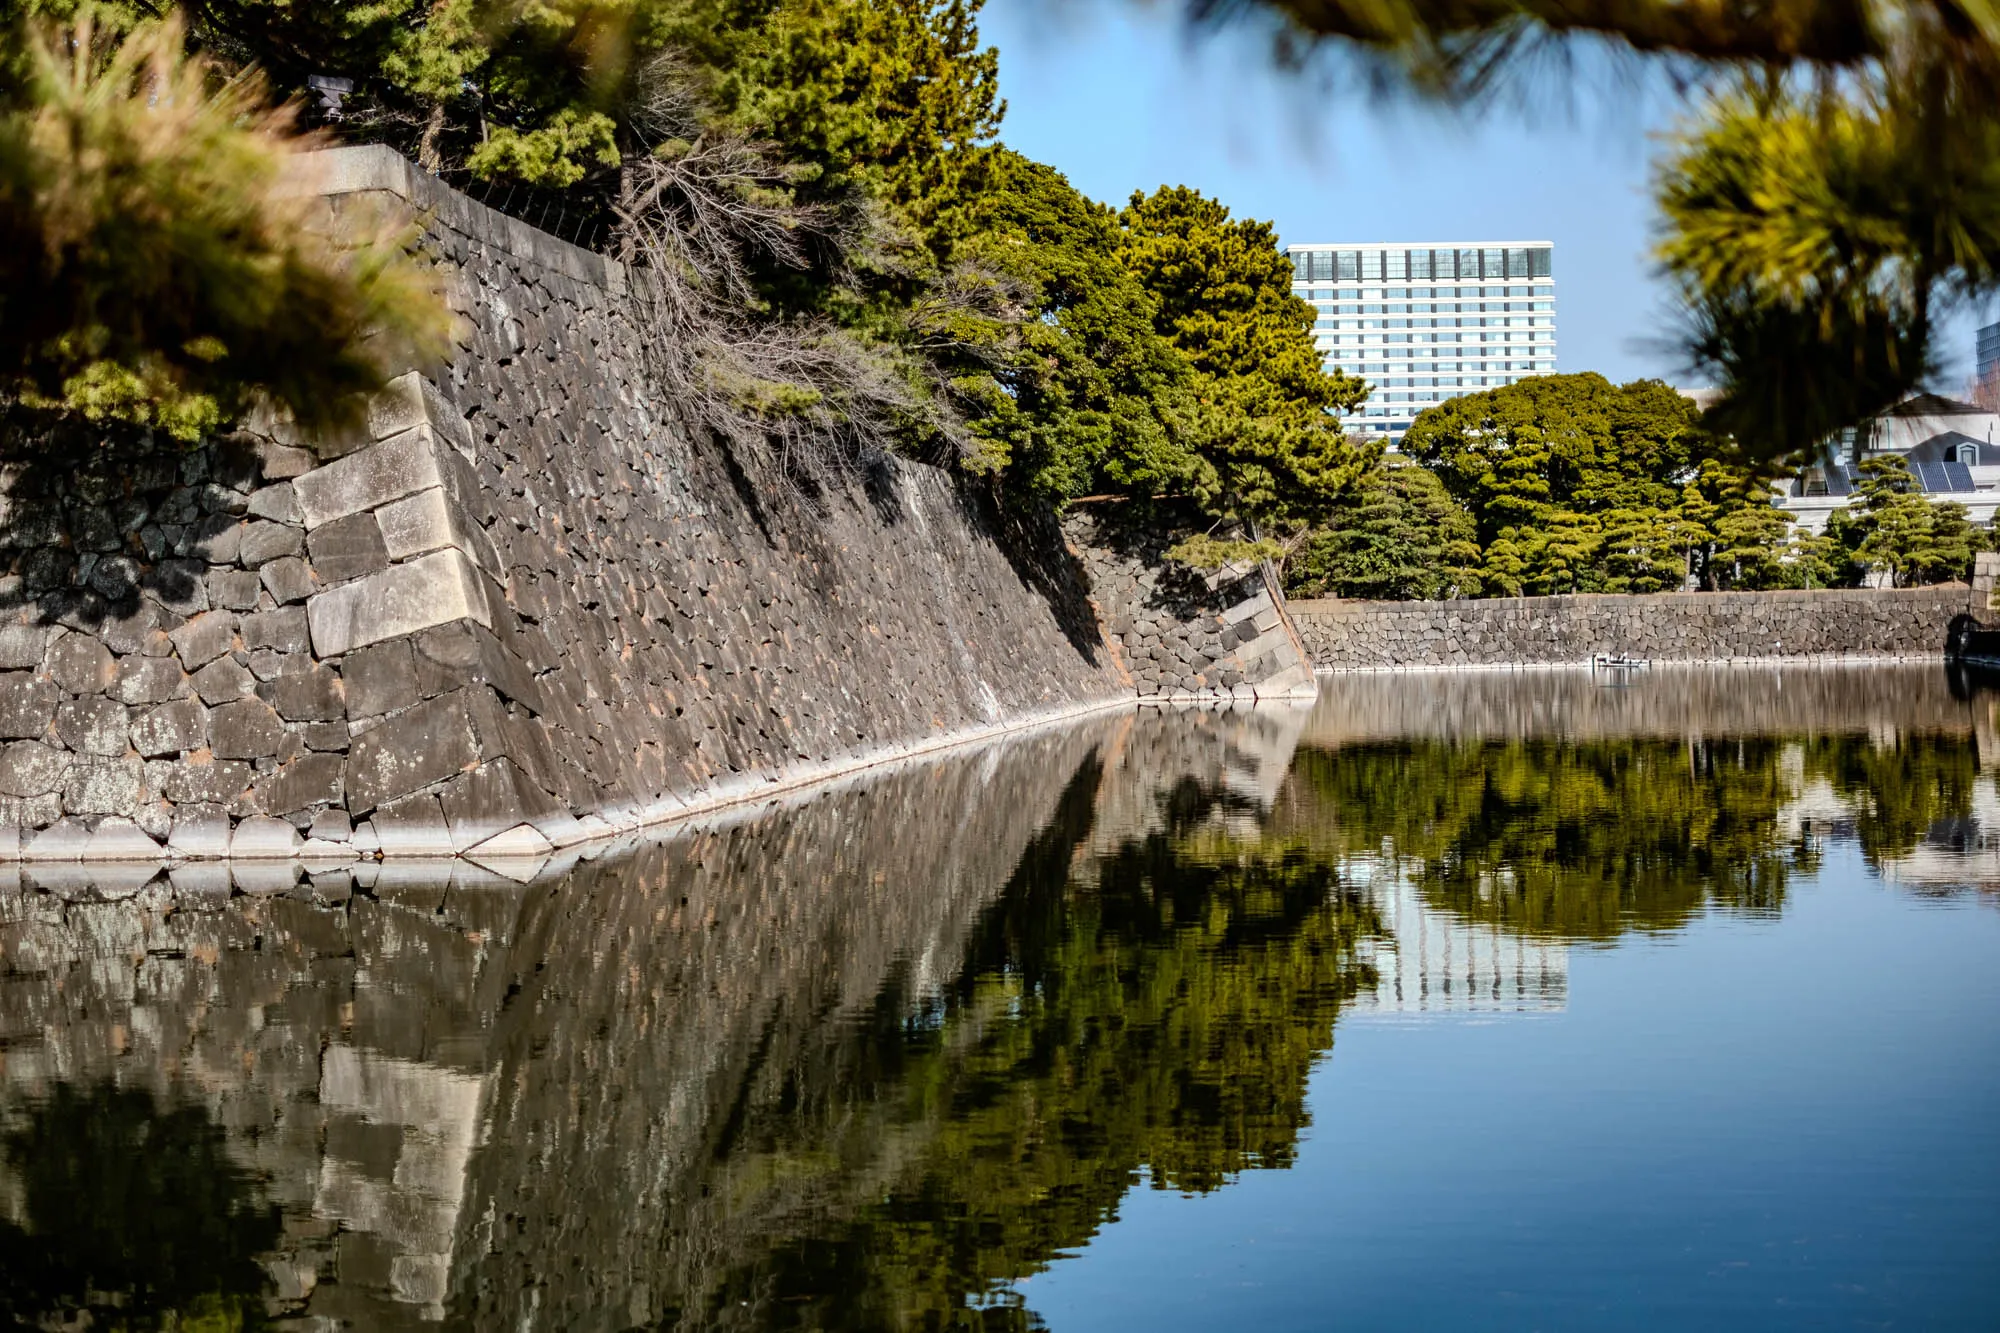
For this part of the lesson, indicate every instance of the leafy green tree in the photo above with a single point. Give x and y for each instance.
(1397, 535)
(1893, 529)
(154, 268)
(1263, 408)
(1079, 388)
(1575, 484)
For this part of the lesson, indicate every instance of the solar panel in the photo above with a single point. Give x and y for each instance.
(1958, 477)
(1837, 481)
(1931, 477)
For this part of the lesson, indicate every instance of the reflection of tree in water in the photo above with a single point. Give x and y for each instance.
(130, 1215)
(1157, 1012)
(1564, 839)
(1897, 792)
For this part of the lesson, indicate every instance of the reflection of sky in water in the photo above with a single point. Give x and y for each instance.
(1753, 1123)
(1499, 1003)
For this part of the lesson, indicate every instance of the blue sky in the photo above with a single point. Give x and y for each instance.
(1113, 93)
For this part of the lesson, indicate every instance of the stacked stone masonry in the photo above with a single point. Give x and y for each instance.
(519, 608)
(1668, 627)
(1177, 633)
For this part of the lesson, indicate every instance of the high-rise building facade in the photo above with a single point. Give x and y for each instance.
(1987, 359)
(1423, 323)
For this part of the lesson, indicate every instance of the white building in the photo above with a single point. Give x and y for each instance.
(1423, 323)
(1953, 449)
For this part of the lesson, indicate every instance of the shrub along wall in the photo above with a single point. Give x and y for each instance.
(521, 608)
(1692, 627)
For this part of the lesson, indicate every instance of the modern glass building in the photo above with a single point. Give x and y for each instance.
(1423, 323)
(1987, 356)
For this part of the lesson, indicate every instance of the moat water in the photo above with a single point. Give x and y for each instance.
(1537, 1001)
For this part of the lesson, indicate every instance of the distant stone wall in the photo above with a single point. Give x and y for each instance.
(1667, 627)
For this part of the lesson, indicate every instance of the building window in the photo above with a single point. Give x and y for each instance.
(1967, 454)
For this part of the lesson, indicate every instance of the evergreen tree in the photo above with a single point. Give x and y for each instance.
(1262, 411)
(1893, 529)
(1574, 484)
(1397, 535)
(153, 267)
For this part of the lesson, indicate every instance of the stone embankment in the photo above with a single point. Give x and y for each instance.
(1667, 627)
(525, 606)
(1178, 632)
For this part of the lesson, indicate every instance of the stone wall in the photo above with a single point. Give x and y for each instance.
(522, 606)
(1667, 627)
(1179, 633)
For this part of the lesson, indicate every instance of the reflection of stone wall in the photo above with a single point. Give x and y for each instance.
(1886, 622)
(1692, 701)
(508, 1105)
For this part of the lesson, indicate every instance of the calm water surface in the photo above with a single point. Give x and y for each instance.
(1486, 1001)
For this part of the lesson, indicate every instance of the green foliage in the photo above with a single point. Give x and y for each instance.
(1814, 234)
(1892, 528)
(1261, 412)
(153, 266)
(1578, 485)
(1397, 535)
(894, 96)
(132, 1216)
(1155, 1008)
(1074, 393)
(1156, 352)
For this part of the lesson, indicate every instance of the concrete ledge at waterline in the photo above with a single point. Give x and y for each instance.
(117, 841)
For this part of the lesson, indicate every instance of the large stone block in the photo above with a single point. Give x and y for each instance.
(261, 837)
(205, 779)
(81, 665)
(417, 524)
(309, 780)
(98, 786)
(412, 826)
(234, 589)
(148, 680)
(426, 744)
(287, 579)
(489, 800)
(204, 638)
(224, 680)
(276, 503)
(265, 541)
(30, 768)
(401, 465)
(27, 703)
(432, 590)
(310, 695)
(94, 725)
(284, 630)
(171, 728)
(21, 646)
(200, 831)
(380, 679)
(246, 729)
(348, 548)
